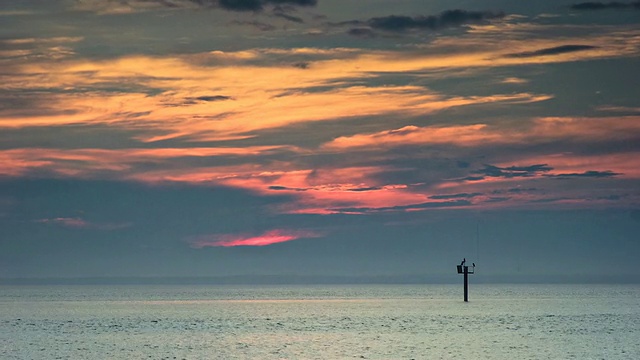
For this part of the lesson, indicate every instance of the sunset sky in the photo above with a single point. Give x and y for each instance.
(348, 138)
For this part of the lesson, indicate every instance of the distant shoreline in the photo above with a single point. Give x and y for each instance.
(321, 280)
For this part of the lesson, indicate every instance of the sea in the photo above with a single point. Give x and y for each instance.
(320, 322)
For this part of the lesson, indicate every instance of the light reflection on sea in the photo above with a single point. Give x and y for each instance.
(320, 322)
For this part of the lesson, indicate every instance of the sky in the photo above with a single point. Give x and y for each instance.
(318, 139)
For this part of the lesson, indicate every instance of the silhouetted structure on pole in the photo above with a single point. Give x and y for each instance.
(464, 269)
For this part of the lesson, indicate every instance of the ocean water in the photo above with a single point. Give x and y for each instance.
(320, 322)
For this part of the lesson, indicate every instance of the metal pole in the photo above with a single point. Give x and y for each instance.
(466, 283)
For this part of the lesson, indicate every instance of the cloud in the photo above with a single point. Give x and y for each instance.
(556, 50)
(342, 187)
(129, 6)
(405, 208)
(107, 7)
(519, 190)
(241, 5)
(514, 80)
(67, 222)
(605, 5)
(256, 5)
(194, 100)
(448, 18)
(262, 83)
(535, 131)
(455, 196)
(37, 49)
(98, 162)
(497, 199)
(587, 174)
(619, 109)
(362, 32)
(256, 24)
(78, 223)
(267, 238)
(624, 164)
(508, 172)
(212, 98)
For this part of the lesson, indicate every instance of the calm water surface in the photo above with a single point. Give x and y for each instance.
(320, 322)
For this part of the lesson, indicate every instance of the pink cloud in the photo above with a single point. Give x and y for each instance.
(264, 239)
(67, 222)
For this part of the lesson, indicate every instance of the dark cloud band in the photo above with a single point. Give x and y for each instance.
(605, 6)
(449, 18)
(551, 51)
(257, 5)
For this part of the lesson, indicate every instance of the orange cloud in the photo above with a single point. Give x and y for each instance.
(537, 130)
(587, 128)
(466, 135)
(262, 87)
(257, 97)
(84, 162)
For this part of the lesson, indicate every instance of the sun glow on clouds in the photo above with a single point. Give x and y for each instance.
(255, 83)
(228, 96)
(267, 238)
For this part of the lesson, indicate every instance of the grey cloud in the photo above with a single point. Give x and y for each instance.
(279, 188)
(241, 5)
(257, 24)
(195, 100)
(605, 6)
(520, 190)
(257, 5)
(233, 5)
(508, 172)
(549, 200)
(514, 191)
(448, 18)
(289, 17)
(473, 178)
(610, 197)
(587, 174)
(293, 2)
(556, 50)
(213, 98)
(301, 65)
(372, 188)
(455, 196)
(362, 32)
(497, 199)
